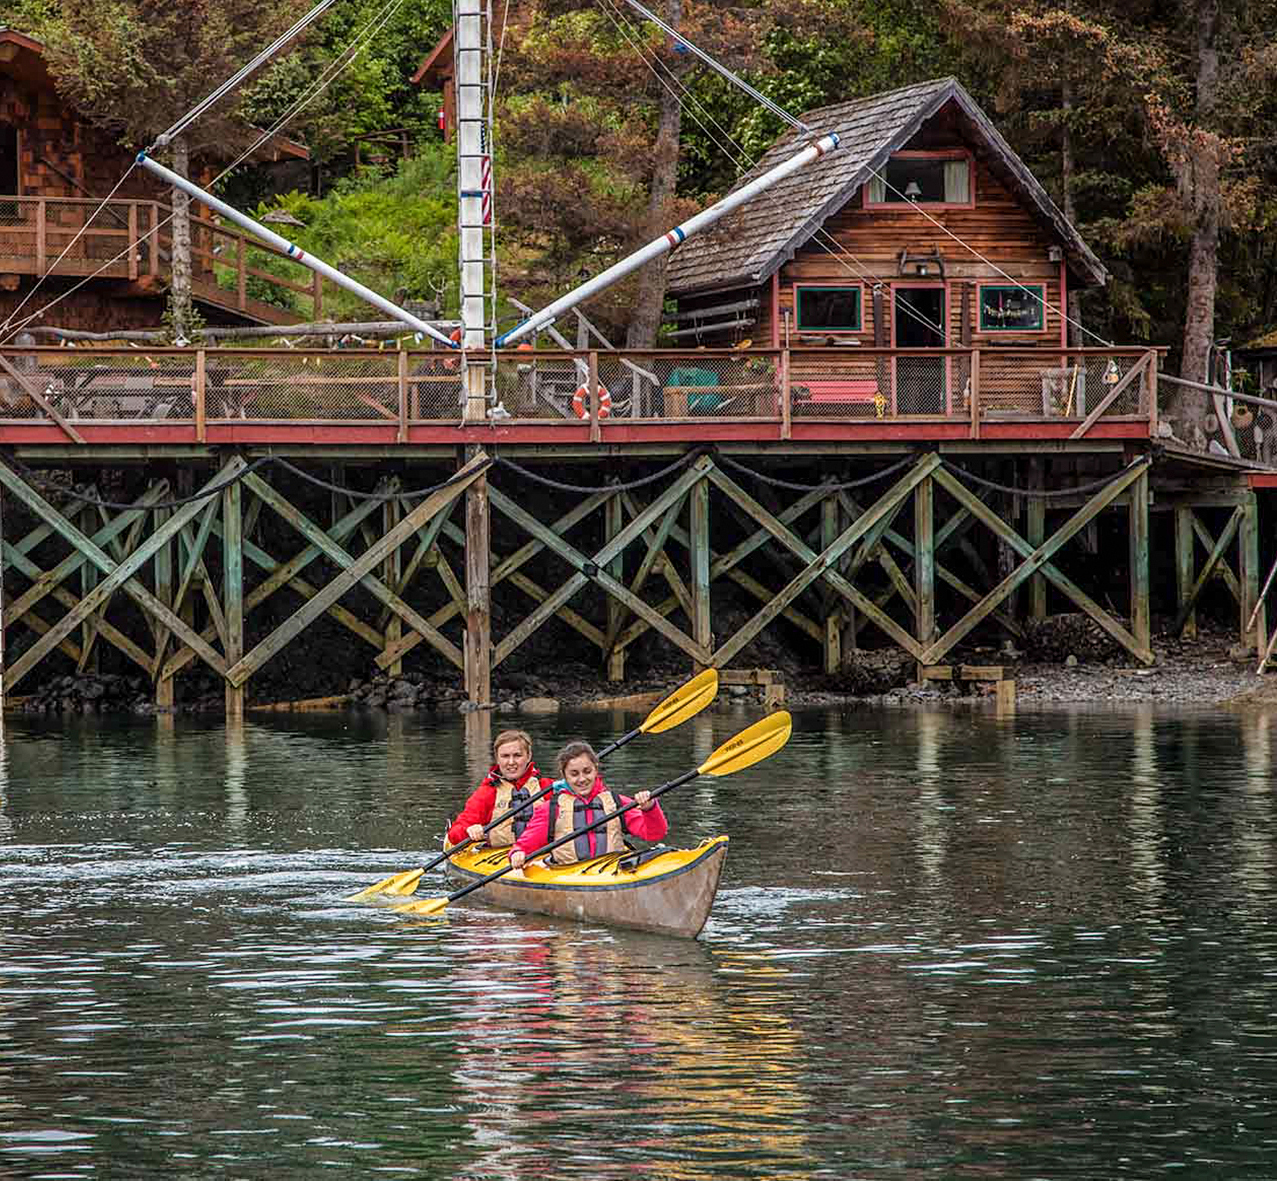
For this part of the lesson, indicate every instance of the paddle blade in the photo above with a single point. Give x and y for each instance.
(750, 746)
(387, 886)
(685, 702)
(405, 883)
(424, 906)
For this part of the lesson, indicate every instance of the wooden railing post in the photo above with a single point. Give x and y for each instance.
(154, 252)
(317, 294)
(975, 393)
(403, 394)
(1152, 393)
(241, 288)
(41, 242)
(200, 384)
(133, 243)
(592, 384)
(786, 397)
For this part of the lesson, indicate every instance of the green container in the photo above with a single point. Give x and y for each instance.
(705, 403)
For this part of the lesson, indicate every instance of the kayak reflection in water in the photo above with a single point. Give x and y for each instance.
(580, 798)
(512, 780)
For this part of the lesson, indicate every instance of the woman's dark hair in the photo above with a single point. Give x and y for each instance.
(574, 750)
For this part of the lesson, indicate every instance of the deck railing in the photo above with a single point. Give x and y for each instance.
(133, 239)
(955, 392)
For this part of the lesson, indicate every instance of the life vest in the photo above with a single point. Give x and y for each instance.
(565, 820)
(510, 795)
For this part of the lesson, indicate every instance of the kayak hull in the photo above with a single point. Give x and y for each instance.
(670, 894)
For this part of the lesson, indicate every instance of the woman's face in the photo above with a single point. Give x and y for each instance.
(513, 759)
(580, 774)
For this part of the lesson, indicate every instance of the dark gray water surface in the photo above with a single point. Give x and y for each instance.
(945, 946)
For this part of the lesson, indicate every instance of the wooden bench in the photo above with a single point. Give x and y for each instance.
(994, 674)
(839, 391)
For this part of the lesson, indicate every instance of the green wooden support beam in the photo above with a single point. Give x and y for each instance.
(1208, 544)
(830, 522)
(1248, 576)
(1137, 535)
(613, 521)
(698, 532)
(1035, 534)
(233, 592)
(924, 566)
(1218, 549)
(1184, 554)
(478, 591)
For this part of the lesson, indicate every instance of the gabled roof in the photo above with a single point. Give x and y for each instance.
(1266, 342)
(757, 239)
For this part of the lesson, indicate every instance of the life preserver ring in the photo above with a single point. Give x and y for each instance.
(581, 402)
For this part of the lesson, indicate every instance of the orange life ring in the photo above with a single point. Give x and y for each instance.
(581, 402)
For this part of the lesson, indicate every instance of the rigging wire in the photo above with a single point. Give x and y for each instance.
(329, 75)
(691, 103)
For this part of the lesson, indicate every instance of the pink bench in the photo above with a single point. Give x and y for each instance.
(836, 391)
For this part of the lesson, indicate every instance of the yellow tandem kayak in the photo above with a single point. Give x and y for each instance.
(668, 891)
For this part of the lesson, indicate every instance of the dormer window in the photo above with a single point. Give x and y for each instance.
(922, 178)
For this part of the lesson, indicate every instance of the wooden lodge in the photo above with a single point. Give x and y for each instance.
(907, 453)
(55, 169)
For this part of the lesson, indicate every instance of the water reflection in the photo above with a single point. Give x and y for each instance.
(946, 944)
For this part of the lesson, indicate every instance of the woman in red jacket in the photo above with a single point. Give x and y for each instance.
(512, 780)
(579, 799)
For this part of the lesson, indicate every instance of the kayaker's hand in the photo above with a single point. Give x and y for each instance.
(475, 832)
(517, 857)
(643, 800)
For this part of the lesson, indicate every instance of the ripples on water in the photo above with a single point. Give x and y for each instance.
(945, 946)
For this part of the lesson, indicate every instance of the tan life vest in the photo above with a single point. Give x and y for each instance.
(509, 796)
(568, 814)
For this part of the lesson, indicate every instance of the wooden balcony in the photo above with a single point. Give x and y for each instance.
(132, 241)
(540, 399)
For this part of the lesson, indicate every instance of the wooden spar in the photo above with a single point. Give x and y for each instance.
(1184, 553)
(1137, 537)
(1216, 555)
(924, 565)
(1035, 529)
(354, 570)
(592, 568)
(1248, 576)
(1208, 543)
(830, 519)
(478, 658)
(613, 521)
(35, 394)
(163, 563)
(870, 526)
(118, 574)
(698, 531)
(233, 592)
(1038, 559)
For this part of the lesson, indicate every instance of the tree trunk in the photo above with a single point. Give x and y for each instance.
(1200, 180)
(1068, 168)
(646, 320)
(180, 305)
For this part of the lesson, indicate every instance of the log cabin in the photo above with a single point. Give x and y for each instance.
(55, 168)
(924, 230)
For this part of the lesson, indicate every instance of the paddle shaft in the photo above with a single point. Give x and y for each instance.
(620, 742)
(492, 877)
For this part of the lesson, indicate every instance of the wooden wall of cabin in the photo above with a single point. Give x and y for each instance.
(100, 307)
(996, 225)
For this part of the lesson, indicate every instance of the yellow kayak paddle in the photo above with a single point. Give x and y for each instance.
(748, 747)
(685, 702)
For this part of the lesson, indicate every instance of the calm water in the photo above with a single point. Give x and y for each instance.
(946, 946)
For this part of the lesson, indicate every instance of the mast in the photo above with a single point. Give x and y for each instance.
(472, 60)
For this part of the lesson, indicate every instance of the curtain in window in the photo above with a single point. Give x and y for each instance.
(877, 190)
(956, 182)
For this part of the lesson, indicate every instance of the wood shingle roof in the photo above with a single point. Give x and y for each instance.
(752, 242)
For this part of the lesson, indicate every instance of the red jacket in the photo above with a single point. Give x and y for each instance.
(478, 809)
(647, 826)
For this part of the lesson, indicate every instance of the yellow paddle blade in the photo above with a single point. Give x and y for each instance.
(750, 746)
(685, 702)
(425, 906)
(387, 885)
(405, 884)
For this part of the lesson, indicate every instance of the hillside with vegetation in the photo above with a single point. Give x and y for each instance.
(1151, 125)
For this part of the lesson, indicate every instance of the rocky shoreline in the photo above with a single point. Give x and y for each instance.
(1063, 663)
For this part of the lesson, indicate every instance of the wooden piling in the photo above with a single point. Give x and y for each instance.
(613, 522)
(698, 512)
(1184, 569)
(478, 634)
(233, 590)
(1137, 525)
(1035, 535)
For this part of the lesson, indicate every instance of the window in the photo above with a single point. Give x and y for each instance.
(1011, 309)
(828, 308)
(922, 180)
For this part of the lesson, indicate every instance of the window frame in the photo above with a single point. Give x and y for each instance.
(1040, 288)
(933, 154)
(858, 288)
